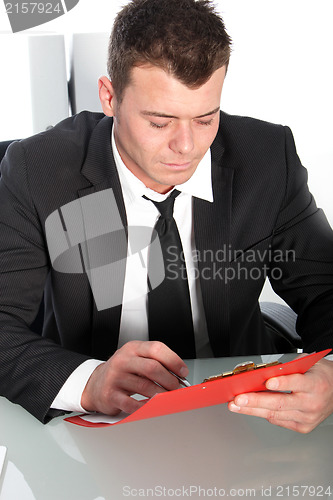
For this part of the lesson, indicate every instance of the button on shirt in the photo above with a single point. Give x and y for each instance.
(134, 320)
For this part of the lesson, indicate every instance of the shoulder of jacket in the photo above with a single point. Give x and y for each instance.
(76, 130)
(238, 131)
(243, 123)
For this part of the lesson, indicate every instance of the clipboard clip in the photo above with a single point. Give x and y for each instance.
(247, 366)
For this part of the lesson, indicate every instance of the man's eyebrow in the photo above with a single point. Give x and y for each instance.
(158, 114)
(209, 113)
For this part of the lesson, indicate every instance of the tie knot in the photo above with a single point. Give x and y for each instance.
(166, 207)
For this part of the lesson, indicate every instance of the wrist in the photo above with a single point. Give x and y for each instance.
(89, 392)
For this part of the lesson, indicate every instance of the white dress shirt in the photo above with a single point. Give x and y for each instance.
(134, 320)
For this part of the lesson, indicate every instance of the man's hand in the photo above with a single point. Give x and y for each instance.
(136, 368)
(308, 404)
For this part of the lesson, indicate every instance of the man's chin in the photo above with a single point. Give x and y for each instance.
(179, 175)
(163, 184)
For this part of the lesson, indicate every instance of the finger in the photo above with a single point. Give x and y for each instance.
(269, 401)
(123, 402)
(162, 353)
(134, 384)
(160, 359)
(290, 415)
(294, 383)
(150, 370)
(294, 420)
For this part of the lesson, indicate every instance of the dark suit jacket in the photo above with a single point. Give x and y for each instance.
(263, 221)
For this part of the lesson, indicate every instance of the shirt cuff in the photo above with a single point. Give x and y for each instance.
(69, 396)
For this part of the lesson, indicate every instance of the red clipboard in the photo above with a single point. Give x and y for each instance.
(210, 393)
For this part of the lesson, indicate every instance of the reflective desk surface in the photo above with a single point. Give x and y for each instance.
(205, 453)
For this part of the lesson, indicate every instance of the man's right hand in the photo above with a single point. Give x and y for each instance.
(135, 368)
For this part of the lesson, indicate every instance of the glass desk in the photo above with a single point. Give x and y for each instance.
(203, 453)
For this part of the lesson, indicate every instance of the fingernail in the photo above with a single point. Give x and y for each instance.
(272, 384)
(233, 407)
(184, 371)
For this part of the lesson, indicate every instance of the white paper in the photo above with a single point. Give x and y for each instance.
(270, 358)
(100, 418)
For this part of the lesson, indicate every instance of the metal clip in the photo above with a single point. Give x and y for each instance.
(248, 366)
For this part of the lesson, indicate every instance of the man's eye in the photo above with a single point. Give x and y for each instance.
(206, 123)
(157, 125)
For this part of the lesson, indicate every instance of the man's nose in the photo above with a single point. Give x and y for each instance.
(182, 139)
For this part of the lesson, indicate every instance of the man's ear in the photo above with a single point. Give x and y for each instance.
(106, 96)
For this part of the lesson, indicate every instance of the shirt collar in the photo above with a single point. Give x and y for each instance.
(199, 185)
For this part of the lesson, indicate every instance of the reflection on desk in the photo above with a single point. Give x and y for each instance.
(209, 452)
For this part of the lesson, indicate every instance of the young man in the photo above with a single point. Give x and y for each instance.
(72, 200)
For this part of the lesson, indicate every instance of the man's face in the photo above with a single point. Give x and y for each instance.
(162, 128)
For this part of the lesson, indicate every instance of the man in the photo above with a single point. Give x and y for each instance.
(68, 196)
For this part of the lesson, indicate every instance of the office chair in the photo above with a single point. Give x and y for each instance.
(3, 148)
(280, 324)
(279, 319)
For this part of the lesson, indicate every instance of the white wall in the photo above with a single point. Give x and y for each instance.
(280, 70)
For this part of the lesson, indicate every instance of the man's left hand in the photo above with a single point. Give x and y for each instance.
(308, 402)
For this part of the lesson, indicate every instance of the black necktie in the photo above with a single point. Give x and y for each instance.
(169, 307)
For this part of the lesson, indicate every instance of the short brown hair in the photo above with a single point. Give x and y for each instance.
(186, 38)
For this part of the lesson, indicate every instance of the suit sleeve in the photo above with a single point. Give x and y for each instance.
(32, 369)
(303, 239)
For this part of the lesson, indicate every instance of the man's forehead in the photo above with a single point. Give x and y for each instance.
(158, 93)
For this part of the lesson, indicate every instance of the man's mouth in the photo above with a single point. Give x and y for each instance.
(177, 166)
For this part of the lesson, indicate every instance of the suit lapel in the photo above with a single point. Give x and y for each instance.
(212, 236)
(99, 167)
(100, 170)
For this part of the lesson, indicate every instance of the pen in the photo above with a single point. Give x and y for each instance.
(183, 381)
